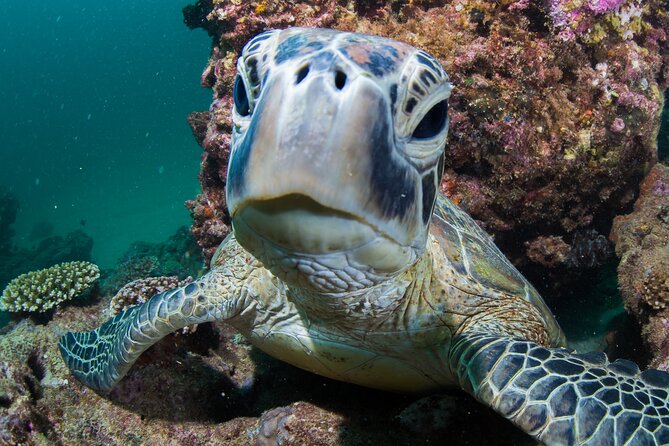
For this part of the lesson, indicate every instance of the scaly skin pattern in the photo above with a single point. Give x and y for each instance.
(394, 337)
(351, 265)
(563, 398)
(100, 358)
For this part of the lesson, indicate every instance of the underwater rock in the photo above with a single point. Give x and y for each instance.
(211, 222)
(178, 256)
(550, 134)
(299, 423)
(588, 249)
(195, 16)
(140, 290)
(127, 270)
(74, 246)
(642, 243)
(9, 206)
(549, 251)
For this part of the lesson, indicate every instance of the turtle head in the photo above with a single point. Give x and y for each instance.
(337, 154)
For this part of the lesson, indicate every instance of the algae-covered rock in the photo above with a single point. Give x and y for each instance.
(140, 290)
(178, 256)
(554, 112)
(642, 243)
(40, 291)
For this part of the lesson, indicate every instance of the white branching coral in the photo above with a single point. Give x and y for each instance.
(39, 291)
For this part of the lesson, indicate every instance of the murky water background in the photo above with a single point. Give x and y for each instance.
(93, 104)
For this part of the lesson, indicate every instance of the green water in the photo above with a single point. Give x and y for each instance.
(93, 104)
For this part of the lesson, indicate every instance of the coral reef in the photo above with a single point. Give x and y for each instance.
(642, 243)
(178, 256)
(140, 290)
(593, 20)
(74, 246)
(588, 249)
(554, 114)
(208, 388)
(127, 270)
(42, 290)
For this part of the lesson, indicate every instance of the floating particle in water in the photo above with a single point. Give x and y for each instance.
(36, 181)
(161, 170)
(89, 116)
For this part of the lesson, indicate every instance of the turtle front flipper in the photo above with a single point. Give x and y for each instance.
(561, 397)
(100, 358)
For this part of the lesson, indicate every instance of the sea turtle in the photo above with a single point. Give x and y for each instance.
(346, 261)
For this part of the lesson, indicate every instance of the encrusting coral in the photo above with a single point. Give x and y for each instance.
(642, 243)
(593, 20)
(139, 291)
(39, 291)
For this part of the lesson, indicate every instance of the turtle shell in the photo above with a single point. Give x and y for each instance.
(482, 267)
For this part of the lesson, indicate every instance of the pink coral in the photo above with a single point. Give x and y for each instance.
(602, 6)
(576, 18)
(618, 125)
(141, 290)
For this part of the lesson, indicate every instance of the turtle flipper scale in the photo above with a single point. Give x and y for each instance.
(101, 357)
(561, 397)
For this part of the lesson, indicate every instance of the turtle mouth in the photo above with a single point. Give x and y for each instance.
(297, 223)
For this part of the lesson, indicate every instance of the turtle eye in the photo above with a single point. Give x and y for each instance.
(433, 122)
(240, 97)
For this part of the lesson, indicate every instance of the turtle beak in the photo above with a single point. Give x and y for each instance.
(327, 138)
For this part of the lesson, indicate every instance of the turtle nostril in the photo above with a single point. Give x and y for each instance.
(340, 79)
(301, 74)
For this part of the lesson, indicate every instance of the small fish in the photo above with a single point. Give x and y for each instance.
(82, 222)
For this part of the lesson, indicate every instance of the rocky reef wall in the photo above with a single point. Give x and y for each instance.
(554, 115)
(642, 243)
